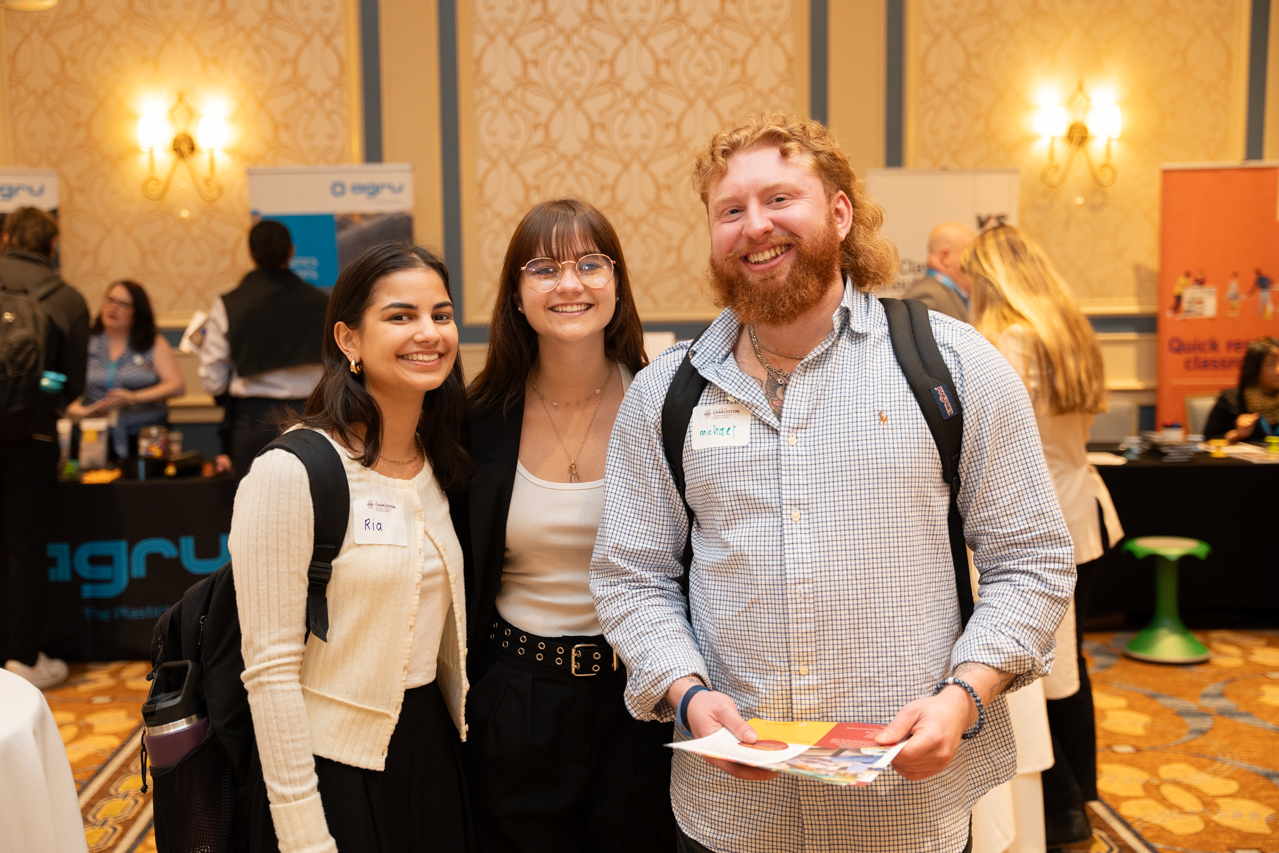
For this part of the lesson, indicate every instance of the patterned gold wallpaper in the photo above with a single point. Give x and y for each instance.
(606, 101)
(975, 69)
(77, 77)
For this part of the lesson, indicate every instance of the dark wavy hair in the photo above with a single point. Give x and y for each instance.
(560, 228)
(1253, 359)
(340, 401)
(142, 332)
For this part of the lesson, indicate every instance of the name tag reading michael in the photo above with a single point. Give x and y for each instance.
(378, 523)
(727, 425)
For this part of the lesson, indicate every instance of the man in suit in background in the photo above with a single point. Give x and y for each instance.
(945, 287)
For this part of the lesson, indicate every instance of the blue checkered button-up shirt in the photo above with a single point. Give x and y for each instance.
(822, 586)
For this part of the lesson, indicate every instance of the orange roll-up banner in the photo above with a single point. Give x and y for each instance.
(1219, 256)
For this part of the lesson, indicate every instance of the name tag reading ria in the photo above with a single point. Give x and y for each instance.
(727, 425)
(378, 523)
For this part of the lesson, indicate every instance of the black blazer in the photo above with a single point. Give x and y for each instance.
(495, 448)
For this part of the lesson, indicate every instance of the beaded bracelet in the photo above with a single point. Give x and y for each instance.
(681, 713)
(981, 708)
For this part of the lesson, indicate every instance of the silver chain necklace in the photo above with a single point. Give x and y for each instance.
(781, 376)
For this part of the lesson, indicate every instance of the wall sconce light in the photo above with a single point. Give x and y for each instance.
(1077, 122)
(156, 130)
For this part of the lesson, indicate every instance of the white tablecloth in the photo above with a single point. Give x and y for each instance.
(39, 811)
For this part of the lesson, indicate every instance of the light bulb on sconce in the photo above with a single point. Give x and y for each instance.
(1077, 122)
(156, 130)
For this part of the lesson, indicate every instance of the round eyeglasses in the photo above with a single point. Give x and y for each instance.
(593, 271)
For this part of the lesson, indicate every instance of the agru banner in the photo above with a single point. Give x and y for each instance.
(917, 200)
(1219, 255)
(334, 212)
(28, 188)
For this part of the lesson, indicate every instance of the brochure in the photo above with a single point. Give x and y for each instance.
(834, 753)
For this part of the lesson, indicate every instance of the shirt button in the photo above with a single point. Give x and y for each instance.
(794, 515)
(791, 440)
(803, 670)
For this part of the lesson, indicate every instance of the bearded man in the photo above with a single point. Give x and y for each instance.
(822, 585)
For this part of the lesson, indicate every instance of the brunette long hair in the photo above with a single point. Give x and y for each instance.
(1250, 370)
(1015, 283)
(340, 401)
(142, 332)
(560, 228)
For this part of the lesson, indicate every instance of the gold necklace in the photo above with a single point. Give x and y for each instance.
(599, 399)
(417, 439)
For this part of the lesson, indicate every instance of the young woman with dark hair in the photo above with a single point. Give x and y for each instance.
(358, 737)
(1250, 411)
(131, 369)
(554, 760)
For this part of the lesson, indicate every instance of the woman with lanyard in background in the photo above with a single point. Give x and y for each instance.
(131, 370)
(554, 760)
(1021, 305)
(358, 736)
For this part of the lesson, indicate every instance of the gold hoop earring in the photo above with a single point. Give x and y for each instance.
(357, 367)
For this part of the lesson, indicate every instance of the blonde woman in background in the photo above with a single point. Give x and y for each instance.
(1022, 306)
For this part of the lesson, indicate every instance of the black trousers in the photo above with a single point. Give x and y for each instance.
(28, 480)
(253, 423)
(556, 763)
(416, 805)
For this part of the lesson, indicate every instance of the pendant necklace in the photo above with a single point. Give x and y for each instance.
(599, 399)
(779, 375)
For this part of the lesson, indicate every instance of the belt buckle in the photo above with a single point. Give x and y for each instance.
(595, 667)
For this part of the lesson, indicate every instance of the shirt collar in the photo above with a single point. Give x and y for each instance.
(946, 280)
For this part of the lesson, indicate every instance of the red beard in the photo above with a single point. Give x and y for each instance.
(768, 298)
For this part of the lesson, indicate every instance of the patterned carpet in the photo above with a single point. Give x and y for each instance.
(1188, 755)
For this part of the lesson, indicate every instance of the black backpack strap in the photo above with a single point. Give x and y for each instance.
(683, 395)
(934, 389)
(331, 499)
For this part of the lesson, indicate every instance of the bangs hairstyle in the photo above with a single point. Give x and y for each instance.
(867, 256)
(1015, 283)
(559, 229)
(142, 332)
(1253, 360)
(340, 401)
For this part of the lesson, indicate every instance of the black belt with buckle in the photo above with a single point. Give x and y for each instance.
(578, 656)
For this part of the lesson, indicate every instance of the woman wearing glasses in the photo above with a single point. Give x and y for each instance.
(554, 760)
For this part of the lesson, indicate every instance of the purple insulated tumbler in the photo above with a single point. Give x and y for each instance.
(175, 721)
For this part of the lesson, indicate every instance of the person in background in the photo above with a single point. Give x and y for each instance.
(28, 446)
(554, 761)
(1261, 286)
(261, 349)
(945, 287)
(131, 368)
(359, 736)
(1250, 411)
(1021, 305)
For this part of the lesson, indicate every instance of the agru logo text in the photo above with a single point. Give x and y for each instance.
(107, 565)
(340, 188)
(9, 191)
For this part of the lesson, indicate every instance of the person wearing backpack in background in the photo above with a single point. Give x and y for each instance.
(822, 584)
(357, 730)
(44, 344)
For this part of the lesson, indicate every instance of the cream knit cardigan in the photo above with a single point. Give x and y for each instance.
(340, 699)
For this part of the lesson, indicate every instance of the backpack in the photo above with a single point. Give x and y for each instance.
(24, 330)
(202, 801)
(934, 390)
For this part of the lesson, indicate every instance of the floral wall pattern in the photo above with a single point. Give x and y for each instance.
(607, 101)
(77, 77)
(976, 68)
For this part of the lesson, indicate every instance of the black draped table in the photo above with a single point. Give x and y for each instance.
(121, 553)
(1226, 503)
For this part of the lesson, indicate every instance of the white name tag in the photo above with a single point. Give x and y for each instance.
(378, 523)
(726, 425)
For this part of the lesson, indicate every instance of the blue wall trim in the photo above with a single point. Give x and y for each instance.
(1258, 48)
(818, 61)
(895, 84)
(371, 72)
(1139, 323)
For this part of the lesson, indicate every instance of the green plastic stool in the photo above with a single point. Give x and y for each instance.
(1165, 639)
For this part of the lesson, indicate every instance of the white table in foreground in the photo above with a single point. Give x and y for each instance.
(38, 805)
